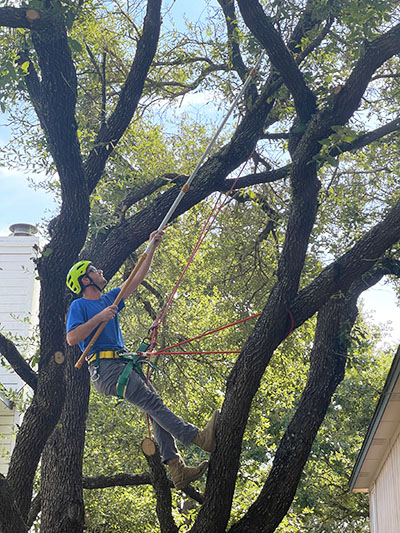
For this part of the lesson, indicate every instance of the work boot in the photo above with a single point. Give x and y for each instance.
(205, 439)
(182, 475)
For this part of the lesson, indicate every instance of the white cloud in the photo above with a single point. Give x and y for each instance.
(19, 202)
(381, 301)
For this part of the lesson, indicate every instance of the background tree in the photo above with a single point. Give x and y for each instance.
(315, 118)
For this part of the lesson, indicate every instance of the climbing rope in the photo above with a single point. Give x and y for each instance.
(213, 215)
(166, 351)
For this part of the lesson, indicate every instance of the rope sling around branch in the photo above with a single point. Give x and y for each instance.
(173, 207)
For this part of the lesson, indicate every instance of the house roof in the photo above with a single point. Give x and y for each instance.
(383, 428)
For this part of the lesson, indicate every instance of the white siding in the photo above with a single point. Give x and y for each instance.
(385, 509)
(372, 509)
(8, 421)
(19, 303)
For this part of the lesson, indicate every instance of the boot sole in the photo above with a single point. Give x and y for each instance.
(183, 484)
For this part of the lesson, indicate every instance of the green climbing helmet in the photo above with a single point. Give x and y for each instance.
(77, 271)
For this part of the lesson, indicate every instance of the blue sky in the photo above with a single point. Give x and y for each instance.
(19, 202)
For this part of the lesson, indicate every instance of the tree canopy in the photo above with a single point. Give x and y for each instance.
(94, 92)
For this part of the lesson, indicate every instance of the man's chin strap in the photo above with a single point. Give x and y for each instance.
(94, 284)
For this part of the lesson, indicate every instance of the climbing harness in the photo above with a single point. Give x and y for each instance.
(134, 362)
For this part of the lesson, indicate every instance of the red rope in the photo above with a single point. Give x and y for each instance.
(207, 227)
(209, 332)
(161, 352)
(153, 342)
(194, 353)
(291, 324)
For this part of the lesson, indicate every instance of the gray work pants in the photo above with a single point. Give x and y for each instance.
(166, 424)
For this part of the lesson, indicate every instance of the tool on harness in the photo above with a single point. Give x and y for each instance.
(95, 358)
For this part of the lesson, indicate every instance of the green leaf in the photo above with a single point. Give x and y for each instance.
(74, 45)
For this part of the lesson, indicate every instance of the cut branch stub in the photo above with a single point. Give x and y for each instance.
(32, 15)
(148, 447)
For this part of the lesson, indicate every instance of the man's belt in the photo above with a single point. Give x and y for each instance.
(107, 354)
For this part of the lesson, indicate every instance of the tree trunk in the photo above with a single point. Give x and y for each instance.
(61, 481)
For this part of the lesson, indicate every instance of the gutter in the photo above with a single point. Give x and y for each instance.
(390, 384)
(8, 403)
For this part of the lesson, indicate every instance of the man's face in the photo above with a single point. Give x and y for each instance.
(96, 275)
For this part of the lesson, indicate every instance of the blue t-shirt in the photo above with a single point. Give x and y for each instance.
(82, 310)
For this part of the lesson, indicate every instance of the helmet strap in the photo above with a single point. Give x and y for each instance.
(92, 283)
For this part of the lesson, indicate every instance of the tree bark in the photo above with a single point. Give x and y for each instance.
(61, 474)
(11, 520)
(162, 489)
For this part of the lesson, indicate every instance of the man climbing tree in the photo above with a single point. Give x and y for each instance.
(114, 373)
(91, 73)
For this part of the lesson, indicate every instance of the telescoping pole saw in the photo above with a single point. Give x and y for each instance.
(175, 204)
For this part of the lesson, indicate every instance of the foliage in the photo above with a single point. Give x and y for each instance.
(125, 148)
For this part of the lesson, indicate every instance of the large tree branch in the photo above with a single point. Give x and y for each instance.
(311, 17)
(342, 272)
(375, 54)
(58, 99)
(160, 484)
(112, 131)
(116, 480)
(268, 176)
(62, 457)
(261, 26)
(33, 85)
(187, 87)
(9, 351)
(328, 359)
(367, 138)
(139, 193)
(228, 7)
(277, 174)
(132, 480)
